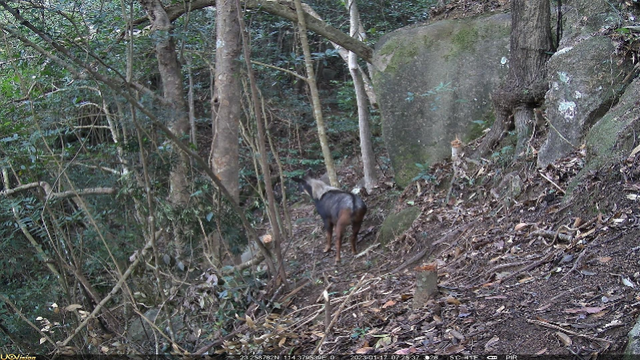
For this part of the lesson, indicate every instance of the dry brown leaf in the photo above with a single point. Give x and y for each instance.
(250, 322)
(365, 350)
(586, 309)
(388, 304)
(604, 259)
(520, 226)
(453, 301)
(566, 340)
(453, 349)
(73, 307)
(407, 351)
(282, 341)
(540, 352)
(587, 233)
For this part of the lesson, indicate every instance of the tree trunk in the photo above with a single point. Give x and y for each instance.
(226, 99)
(315, 97)
(264, 158)
(366, 148)
(526, 84)
(173, 90)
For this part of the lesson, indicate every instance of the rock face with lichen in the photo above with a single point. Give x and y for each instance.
(586, 78)
(434, 83)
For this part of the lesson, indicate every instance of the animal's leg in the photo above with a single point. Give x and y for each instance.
(355, 228)
(343, 221)
(329, 232)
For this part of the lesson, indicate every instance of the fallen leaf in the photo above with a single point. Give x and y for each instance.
(407, 351)
(388, 304)
(365, 350)
(453, 301)
(384, 341)
(520, 226)
(540, 352)
(73, 307)
(453, 349)
(566, 340)
(491, 343)
(627, 282)
(544, 307)
(604, 259)
(586, 309)
(587, 233)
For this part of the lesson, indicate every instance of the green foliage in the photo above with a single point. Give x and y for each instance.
(425, 173)
(359, 332)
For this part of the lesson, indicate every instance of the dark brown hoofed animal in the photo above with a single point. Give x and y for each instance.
(337, 208)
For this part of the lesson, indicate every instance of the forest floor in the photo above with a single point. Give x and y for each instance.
(524, 266)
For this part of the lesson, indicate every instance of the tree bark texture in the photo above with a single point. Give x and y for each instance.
(315, 97)
(173, 91)
(227, 96)
(526, 85)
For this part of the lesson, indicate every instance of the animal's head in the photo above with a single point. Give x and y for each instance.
(313, 187)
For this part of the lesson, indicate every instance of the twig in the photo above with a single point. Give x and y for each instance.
(417, 257)
(15, 308)
(556, 327)
(552, 183)
(107, 298)
(333, 321)
(534, 265)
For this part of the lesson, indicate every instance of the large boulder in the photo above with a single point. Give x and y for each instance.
(434, 83)
(585, 77)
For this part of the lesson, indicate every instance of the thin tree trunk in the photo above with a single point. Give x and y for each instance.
(264, 159)
(227, 94)
(366, 148)
(315, 97)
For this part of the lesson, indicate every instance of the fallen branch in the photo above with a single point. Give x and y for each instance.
(550, 255)
(333, 321)
(50, 194)
(107, 298)
(556, 327)
(552, 183)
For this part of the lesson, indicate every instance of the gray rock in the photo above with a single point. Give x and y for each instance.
(434, 83)
(585, 82)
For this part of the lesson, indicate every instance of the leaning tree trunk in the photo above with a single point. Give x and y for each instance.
(227, 97)
(315, 97)
(526, 84)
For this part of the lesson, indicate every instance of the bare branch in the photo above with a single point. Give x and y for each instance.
(50, 194)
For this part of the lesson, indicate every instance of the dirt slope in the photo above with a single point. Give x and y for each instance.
(523, 268)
